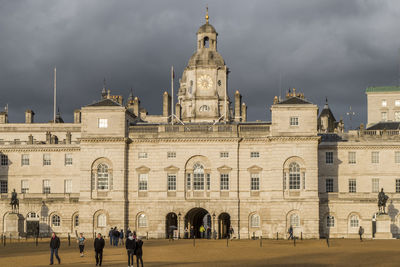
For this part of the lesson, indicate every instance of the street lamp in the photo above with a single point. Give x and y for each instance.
(179, 225)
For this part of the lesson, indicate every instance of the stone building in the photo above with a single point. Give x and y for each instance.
(116, 165)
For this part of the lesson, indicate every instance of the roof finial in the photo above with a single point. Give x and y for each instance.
(207, 17)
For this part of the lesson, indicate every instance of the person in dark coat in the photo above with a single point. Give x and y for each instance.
(111, 236)
(116, 237)
(361, 232)
(290, 231)
(121, 236)
(98, 248)
(130, 245)
(139, 251)
(54, 246)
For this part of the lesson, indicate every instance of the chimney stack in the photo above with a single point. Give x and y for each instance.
(244, 112)
(29, 116)
(238, 106)
(166, 104)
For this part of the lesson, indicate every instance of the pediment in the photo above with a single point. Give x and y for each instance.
(171, 168)
(224, 168)
(254, 168)
(143, 169)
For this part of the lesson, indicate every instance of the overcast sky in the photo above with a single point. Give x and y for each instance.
(332, 49)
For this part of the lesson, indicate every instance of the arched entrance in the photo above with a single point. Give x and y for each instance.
(32, 224)
(224, 223)
(171, 224)
(197, 217)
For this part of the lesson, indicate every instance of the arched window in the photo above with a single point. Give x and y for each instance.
(294, 176)
(330, 221)
(354, 221)
(102, 177)
(101, 220)
(198, 177)
(206, 42)
(294, 220)
(142, 220)
(55, 220)
(255, 220)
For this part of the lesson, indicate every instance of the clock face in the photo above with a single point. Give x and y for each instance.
(204, 82)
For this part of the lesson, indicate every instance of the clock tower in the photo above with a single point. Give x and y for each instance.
(203, 95)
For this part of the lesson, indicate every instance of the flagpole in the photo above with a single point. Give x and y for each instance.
(172, 95)
(55, 95)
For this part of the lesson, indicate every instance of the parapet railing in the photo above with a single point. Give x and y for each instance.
(381, 132)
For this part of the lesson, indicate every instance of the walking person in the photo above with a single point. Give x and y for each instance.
(130, 245)
(361, 232)
(186, 235)
(81, 243)
(98, 248)
(139, 251)
(231, 232)
(54, 246)
(121, 237)
(191, 232)
(116, 237)
(202, 230)
(290, 231)
(111, 236)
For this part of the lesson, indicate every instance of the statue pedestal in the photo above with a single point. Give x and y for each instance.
(383, 227)
(14, 225)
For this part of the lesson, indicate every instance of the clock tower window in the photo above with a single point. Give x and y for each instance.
(206, 42)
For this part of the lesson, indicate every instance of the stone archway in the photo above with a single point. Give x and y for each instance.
(224, 223)
(195, 218)
(171, 224)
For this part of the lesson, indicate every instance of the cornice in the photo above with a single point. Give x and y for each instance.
(104, 140)
(185, 140)
(361, 147)
(295, 138)
(40, 149)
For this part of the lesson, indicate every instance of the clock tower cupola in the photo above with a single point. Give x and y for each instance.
(203, 95)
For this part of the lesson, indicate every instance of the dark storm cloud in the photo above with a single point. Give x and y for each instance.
(331, 49)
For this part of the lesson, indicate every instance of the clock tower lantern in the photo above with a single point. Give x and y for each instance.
(203, 95)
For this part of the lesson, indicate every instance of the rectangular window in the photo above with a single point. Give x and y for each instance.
(375, 185)
(384, 116)
(3, 187)
(198, 181)
(352, 157)
(188, 181)
(103, 123)
(24, 186)
(24, 159)
(224, 154)
(68, 186)
(255, 181)
(46, 159)
(68, 159)
(384, 103)
(397, 156)
(329, 185)
(143, 182)
(171, 183)
(329, 157)
(397, 185)
(375, 157)
(294, 121)
(46, 187)
(4, 160)
(397, 116)
(142, 155)
(397, 102)
(294, 180)
(330, 221)
(208, 181)
(254, 154)
(224, 181)
(352, 186)
(171, 154)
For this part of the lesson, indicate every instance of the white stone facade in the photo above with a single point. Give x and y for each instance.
(118, 166)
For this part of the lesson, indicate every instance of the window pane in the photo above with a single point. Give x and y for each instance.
(142, 221)
(171, 183)
(255, 220)
(397, 185)
(3, 187)
(143, 182)
(255, 181)
(102, 177)
(397, 157)
(329, 157)
(68, 186)
(294, 220)
(329, 185)
(46, 186)
(352, 157)
(375, 185)
(294, 176)
(4, 160)
(24, 159)
(224, 154)
(354, 221)
(224, 181)
(103, 123)
(46, 159)
(254, 154)
(68, 159)
(171, 154)
(352, 186)
(330, 221)
(375, 157)
(24, 186)
(188, 182)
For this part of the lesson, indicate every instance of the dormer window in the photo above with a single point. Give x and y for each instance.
(103, 123)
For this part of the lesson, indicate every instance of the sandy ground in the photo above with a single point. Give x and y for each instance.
(216, 253)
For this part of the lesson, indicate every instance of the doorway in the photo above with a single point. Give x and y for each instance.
(224, 223)
(195, 218)
(171, 224)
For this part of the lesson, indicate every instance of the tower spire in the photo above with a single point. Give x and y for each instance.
(207, 17)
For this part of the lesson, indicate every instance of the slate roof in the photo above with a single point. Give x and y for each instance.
(104, 103)
(327, 112)
(380, 89)
(394, 125)
(294, 100)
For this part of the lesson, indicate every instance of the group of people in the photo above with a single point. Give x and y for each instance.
(133, 245)
(205, 232)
